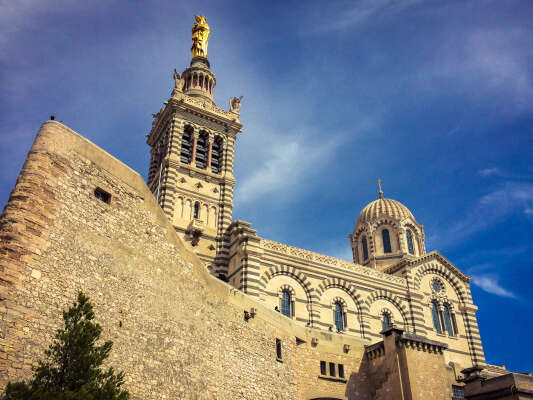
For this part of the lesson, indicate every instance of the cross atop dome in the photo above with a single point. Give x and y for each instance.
(380, 191)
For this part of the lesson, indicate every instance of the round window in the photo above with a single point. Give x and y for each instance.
(436, 285)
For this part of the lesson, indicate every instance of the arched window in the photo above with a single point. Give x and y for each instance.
(196, 210)
(447, 316)
(386, 241)
(339, 316)
(436, 319)
(186, 146)
(385, 321)
(216, 155)
(365, 248)
(410, 245)
(286, 303)
(201, 151)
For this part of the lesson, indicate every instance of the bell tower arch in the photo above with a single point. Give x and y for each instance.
(192, 143)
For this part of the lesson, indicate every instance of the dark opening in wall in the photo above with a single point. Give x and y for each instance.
(201, 151)
(216, 155)
(186, 146)
(331, 369)
(101, 194)
(278, 350)
(323, 368)
(341, 371)
(458, 392)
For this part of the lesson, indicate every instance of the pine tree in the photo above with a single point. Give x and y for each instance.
(72, 367)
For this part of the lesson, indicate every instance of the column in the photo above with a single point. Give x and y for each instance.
(209, 149)
(194, 142)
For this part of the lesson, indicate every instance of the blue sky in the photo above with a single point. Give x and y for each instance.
(434, 97)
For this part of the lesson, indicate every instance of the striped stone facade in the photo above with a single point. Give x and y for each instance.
(196, 197)
(264, 269)
(393, 281)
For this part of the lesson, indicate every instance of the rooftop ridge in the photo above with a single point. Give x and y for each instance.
(309, 255)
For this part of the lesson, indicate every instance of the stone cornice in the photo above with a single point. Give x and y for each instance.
(375, 350)
(199, 107)
(433, 255)
(208, 110)
(420, 343)
(310, 256)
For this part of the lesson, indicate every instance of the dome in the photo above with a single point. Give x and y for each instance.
(383, 207)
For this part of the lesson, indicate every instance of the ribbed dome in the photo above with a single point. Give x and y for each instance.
(383, 207)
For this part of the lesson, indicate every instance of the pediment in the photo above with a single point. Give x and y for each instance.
(431, 258)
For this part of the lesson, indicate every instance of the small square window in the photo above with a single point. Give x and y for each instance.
(341, 371)
(331, 369)
(323, 368)
(278, 349)
(458, 392)
(101, 194)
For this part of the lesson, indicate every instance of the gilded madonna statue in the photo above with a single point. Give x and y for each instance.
(200, 36)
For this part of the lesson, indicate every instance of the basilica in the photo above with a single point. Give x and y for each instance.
(392, 281)
(201, 306)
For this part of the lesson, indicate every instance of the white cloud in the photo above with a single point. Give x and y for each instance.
(286, 163)
(489, 283)
(511, 198)
(491, 65)
(357, 13)
(486, 172)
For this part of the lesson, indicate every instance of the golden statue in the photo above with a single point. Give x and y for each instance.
(200, 36)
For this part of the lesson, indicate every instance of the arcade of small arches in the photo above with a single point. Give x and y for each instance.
(337, 309)
(199, 80)
(189, 209)
(386, 239)
(206, 150)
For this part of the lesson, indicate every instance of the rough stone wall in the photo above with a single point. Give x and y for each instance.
(173, 335)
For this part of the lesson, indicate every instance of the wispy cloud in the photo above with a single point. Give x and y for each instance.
(284, 167)
(486, 172)
(489, 283)
(358, 13)
(491, 64)
(510, 199)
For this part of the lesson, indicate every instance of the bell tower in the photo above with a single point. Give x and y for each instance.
(192, 145)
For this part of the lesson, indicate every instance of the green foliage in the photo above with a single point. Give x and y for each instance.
(72, 368)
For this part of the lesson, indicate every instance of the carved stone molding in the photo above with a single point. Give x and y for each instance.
(307, 255)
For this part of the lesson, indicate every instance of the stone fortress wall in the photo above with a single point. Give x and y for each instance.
(178, 332)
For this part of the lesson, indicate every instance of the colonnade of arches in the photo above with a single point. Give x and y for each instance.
(189, 209)
(199, 80)
(336, 306)
(201, 151)
(387, 239)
